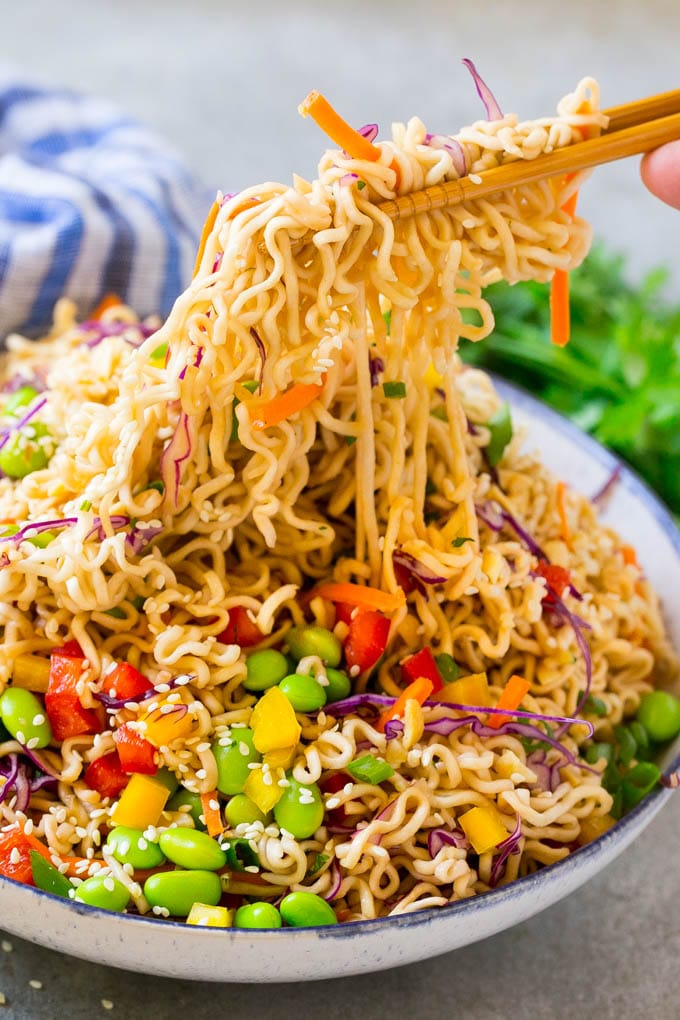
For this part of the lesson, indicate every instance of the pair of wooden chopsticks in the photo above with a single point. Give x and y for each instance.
(633, 128)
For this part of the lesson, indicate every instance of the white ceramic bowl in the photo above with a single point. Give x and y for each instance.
(178, 950)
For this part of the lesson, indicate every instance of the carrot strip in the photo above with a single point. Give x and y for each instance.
(74, 871)
(108, 301)
(560, 318)
(419, 690)
(205, 234)
(511, 698)
(561, 489)
(360, 595)
(338, 130)
(211, 814)
(629, 556)
(265, 413)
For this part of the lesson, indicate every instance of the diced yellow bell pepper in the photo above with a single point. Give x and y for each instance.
(141, 802)
(509, 765)
(469, 690)
(483, 828)
(282, 758)
(162, 727)
(594, 826)
(210, 917)
(273, 722)
(32, 672)
(265, 794)
(432, 378)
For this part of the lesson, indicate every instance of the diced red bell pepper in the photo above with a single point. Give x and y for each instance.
(366, 639)
(343, 612)
(336, 817)
(422, 664)
(240, 630)
(106, 775)
(15, 856)
(125, 682)
(68, 717)
(557, 577)
(135, 752)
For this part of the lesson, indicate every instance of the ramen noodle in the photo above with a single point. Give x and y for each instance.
(295, 477)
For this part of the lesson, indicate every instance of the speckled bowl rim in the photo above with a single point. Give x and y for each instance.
(637, 819)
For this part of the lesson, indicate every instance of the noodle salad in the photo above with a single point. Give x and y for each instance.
(294, 630)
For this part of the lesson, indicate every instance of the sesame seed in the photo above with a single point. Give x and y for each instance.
(28, 826)
(20, 737)
(35, 984)
(106, 1004)
(243, 748)
(14, 856)
(475, 178)
(6, 945)
(201, 774)
(38, 719)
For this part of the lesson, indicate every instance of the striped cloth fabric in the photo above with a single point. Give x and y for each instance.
(91, 203)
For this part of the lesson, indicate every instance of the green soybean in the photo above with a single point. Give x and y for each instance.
(301, 809)
(26, 451)
(306, 910)
(21, 398)
(339, 685)
(659, 713)
(25, 718)
(304, 692)
(257, 915)
(314, 640)
(167, 778)
(177, 891)
(131, 846)
(186, 798)
(103, 891)
(191, 849)
(241, 810)
(232, 761)
(264, 669)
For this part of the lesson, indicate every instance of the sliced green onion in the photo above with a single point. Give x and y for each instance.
(500, 429)
(638, 782)
(387, 316)
(47, 877)
(627, 745)
(318, 863)
(447, 666)
(240, 854)
(369, 769)
(461, 540)
(159, 353)
(394, 390)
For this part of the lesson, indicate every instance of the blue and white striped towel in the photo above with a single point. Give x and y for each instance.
(91, 203)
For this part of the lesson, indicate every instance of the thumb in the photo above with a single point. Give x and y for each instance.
(660, 171)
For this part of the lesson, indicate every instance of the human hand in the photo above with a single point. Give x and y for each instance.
(660, 171)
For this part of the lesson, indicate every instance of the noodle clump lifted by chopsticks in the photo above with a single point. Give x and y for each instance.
(299, 444)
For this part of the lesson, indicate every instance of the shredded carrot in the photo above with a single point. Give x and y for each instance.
(629, 556)
(560, 319)
(338, 130)
(108, 301)
(247, 203)
(561, 489)
(360, 595)
(419, 690)
(76, 865)
(265, 413)
(211, 813)
(511, 698)
(207, 227)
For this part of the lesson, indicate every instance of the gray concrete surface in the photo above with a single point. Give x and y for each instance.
(222, 81)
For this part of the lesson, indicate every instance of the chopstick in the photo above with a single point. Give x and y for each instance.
(633, 128)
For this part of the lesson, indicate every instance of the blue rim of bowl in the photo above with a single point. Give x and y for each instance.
(545, 876)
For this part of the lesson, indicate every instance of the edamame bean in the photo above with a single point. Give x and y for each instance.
(305, 693)
(241, 810)
(257, 915)
(186, 798)
(301, 809)
(25, 718)
(339, 685)
(167, 778)
(264, 669)
(659, 713)
(191, 849)
(315, 640)
(177, 891)
(28, 450)
(21, 398)
(103, 891)
(232, 761)
(130, 846)
(306, 910)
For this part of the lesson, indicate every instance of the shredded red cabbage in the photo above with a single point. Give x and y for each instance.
(375, 367)
(38, 762)
(547, 776)
(393, 729)
(134, 333)
(113, 704)
(263, 355)
(454, 149)
(578, 625)
(348, 178)
(603, 494)
(417, 574)
(173, 456)
(507, 847)
(493, 110)
(437, 838)
(140, 536)
(671, 780)
(336, 882)
(16, 382)
(19, 782)
(369, 131)
(7, 432)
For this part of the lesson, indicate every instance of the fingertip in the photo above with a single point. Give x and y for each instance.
(660, 171)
